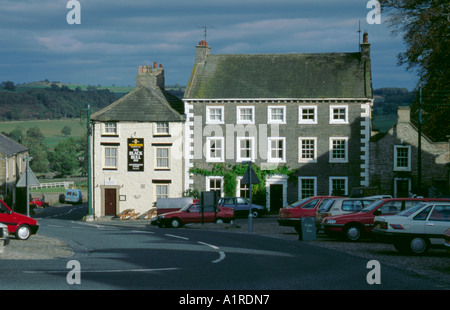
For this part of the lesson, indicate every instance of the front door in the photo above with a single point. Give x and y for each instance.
(276, 197)
(402, 186)
(110, 201)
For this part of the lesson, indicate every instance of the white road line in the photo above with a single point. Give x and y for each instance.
(102, 271)
(179, 237)
(221, 253)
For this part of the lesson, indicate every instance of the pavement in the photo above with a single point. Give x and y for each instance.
(435, 265)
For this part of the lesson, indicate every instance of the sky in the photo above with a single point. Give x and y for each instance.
(114, 37)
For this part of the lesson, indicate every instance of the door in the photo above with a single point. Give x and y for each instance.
(402, 188)
(110, 201)
(276, 197)
(438, 222)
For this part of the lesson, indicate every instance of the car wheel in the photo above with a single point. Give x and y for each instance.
(23, 232)
(418, 246)
(255, 213)
(219, 221)
(352, 233)
(175, 223)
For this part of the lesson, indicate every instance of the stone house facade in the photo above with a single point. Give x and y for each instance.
(394, 161)
(309, 113)
(137, 147)
(12, 165)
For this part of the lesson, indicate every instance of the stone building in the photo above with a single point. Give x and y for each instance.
(12, 165)
(394, 161)
(137, 147)
(307, 112)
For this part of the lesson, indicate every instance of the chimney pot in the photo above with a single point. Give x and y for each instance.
(155, 64)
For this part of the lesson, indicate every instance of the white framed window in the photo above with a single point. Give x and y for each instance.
(402, 157)
(307, 187)
(215, 149)
(276, 149)
(276, 114)
(162, 128)
(215, 183)
(338, 114)
(162, 191)
(338, 186)
(215, 115)
(245, 114)
(307, 114)
(307, 149)
(242, 190)
(338, 149)
(162, 158)
(245, 147)
(110, 159)
(110, 128)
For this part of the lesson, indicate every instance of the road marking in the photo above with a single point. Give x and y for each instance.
(58, 226)
(101, 271)
(221, 253)
(179, 237)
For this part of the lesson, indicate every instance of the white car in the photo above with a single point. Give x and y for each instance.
(415, 230)
(4, 240)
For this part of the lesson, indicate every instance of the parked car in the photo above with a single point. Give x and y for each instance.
(291, 215)
(416, 230)
(241, 206)
(341, 206)
(19, 225)
(192, 213)
(73, 196)
(355, 225)
(447, 240)
(4, 240)
(38, 202)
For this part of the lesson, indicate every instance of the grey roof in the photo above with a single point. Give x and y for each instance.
(9, 147)
(293, 75)
(143, 104)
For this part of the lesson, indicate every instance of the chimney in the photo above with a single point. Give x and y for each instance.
(365, 47)
(149, 76)
(202, 50)
(403, 114)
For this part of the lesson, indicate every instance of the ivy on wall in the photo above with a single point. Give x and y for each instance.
(230, 173)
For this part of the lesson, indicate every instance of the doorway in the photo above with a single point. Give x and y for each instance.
(110, 201)
(402, 187)
(276, 197)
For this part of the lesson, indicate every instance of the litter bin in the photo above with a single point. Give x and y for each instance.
(308, 229)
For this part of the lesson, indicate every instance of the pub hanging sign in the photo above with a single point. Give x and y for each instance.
(135, 154)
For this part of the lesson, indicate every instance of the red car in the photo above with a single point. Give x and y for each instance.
(290, 215)
(192, 213)
(355, 225)
(19, 225)
(38, 202)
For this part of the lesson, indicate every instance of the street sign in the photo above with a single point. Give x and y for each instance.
(32, 180)
(246, 179)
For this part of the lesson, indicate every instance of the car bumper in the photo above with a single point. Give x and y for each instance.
(290, 222)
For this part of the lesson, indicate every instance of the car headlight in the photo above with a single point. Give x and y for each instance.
(331, 221)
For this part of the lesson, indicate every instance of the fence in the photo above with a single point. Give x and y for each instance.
(66, 185)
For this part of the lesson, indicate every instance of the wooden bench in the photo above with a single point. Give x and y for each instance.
(129, 214)
(151, 214)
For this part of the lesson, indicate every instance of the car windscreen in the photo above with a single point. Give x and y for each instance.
(412, 210)
(373, 206)
(298, 203)
(327, 206)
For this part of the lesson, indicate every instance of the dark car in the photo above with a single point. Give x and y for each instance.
(241, 206)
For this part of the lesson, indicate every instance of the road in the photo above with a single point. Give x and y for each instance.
(110, 257)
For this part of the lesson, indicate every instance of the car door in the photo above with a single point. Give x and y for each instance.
(241, 205)
(437, 223)
(6, 217)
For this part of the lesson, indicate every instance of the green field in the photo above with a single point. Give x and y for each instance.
(51, 129)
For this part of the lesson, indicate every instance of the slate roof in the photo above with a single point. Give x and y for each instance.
(293, 75)
(143, 104)
(9, 147)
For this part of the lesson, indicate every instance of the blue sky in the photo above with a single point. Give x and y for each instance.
(115, 37)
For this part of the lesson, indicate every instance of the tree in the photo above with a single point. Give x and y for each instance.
(8, 85)
(424, 26)
(64, 159)
(66, 130)
(37, 147)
